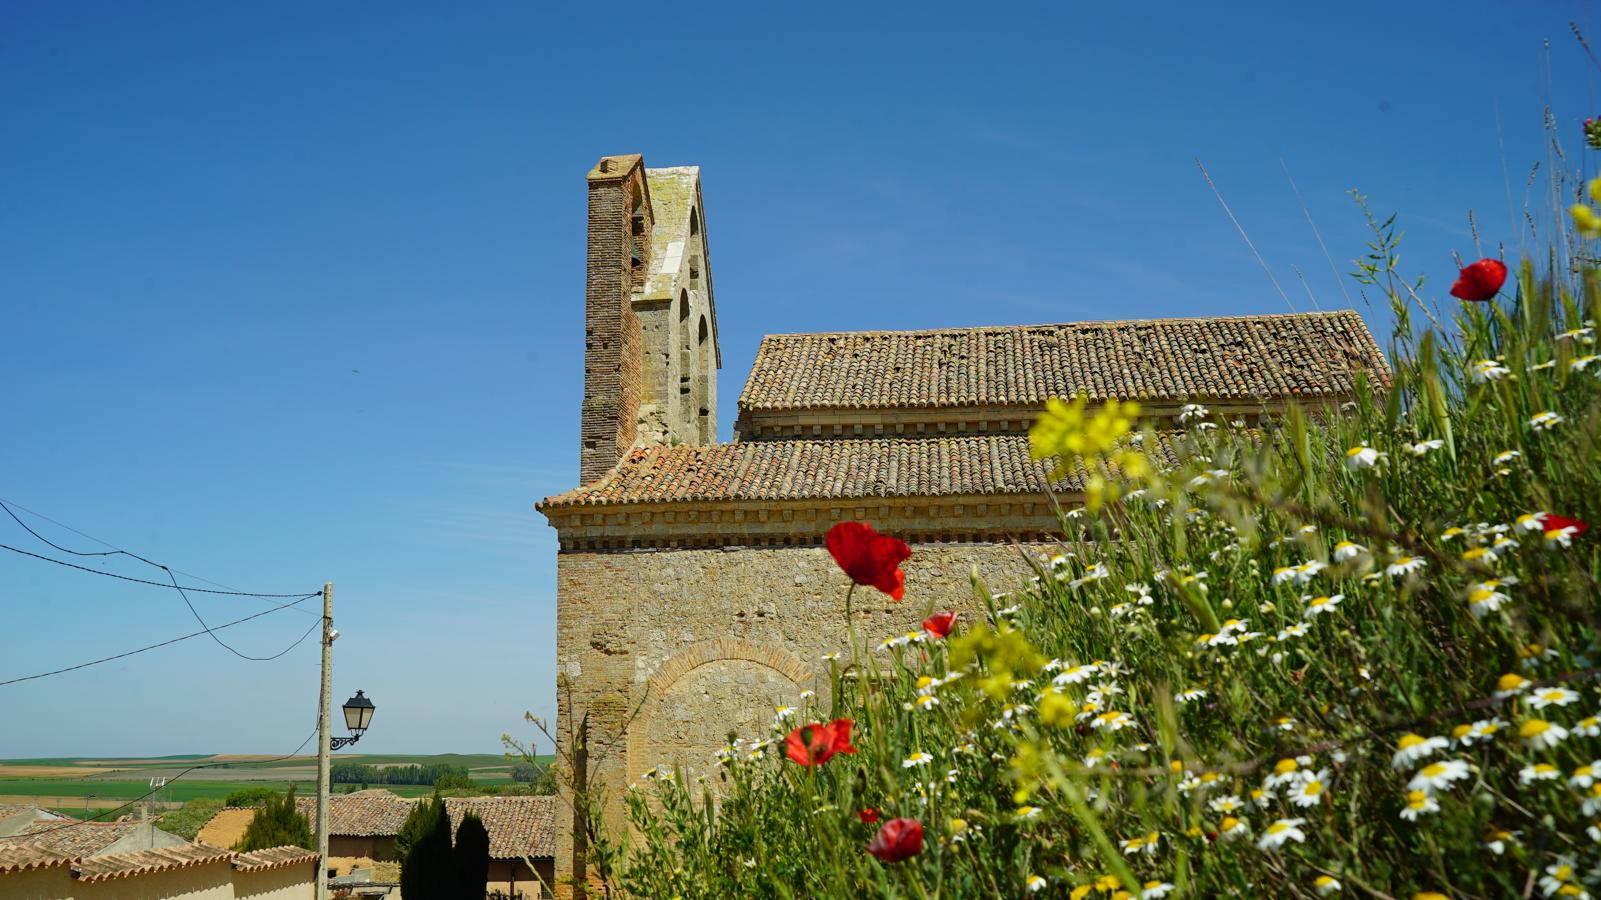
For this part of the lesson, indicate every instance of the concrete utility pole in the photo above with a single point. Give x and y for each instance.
(324, 708)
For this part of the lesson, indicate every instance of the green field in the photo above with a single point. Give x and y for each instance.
(109, 781)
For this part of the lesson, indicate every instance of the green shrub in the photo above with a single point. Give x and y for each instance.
(248, 797)
(188, 821)
(277, 824)
(1351, 649)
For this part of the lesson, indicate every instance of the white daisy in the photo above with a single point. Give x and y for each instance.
(1412, 748)
(1438, 776)
(1423, 447)
(1483, 598)
(1310, 791)
(1362, 457)
(1346, 550)
(1404, 565)
(1326, 885)
(1541, 734)
(918, 758)
(1538, 772)
(1034, 884)
(1545, 421)
(1191, 412)
(1488, 370)
(1552, 696)
(1418, 803)
(1316, 606)
(1280, 833)
(1506, 456)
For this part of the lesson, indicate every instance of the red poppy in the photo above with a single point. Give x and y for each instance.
(897, 840)
(1552, 523)
(815, 744)
(868, 816)
(870, 558)
(939, 624)
(1480, 281)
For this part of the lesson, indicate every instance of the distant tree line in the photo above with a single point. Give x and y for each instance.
(436, 774)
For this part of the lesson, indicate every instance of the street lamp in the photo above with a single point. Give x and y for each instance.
(358, 715)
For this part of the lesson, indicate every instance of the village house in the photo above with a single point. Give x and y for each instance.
(34, 871)
(693, 592)
(363, 826)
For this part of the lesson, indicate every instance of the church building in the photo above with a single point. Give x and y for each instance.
(694, 594)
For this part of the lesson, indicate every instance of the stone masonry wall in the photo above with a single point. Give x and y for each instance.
(668, 651)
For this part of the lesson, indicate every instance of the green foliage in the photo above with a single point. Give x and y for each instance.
(188, 821)
(470, 859)
(1241, 661)
(541, 775)
(356, 773)
(453, 781)
(423, 845)
(277, 824)
(250, 796)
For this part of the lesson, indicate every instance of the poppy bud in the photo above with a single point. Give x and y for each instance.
(939, 624)
(897, 840)
(868, 815)
(1480, 281)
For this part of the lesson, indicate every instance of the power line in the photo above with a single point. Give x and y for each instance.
(116, 551)
(175, 640)
(65, 527)
(159, 584)
(34, 834)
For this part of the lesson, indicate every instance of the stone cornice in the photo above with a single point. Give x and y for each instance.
(658, 526)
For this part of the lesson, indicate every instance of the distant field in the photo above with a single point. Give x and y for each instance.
(76, 783)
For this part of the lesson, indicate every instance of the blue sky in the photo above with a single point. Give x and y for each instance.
(293, 292)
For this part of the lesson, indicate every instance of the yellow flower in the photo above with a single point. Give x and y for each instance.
(1585, 220)
(1065, 433)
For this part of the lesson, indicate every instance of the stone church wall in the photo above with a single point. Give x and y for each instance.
(667, 651)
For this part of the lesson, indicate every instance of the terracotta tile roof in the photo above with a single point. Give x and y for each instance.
(822, 469)
(272, 858)
(364, 815)
(22, 857)
(517, 826)
(73, 839)
(142, 862)
(1217, 358)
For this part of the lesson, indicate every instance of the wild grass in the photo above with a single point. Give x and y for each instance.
(1331, 653)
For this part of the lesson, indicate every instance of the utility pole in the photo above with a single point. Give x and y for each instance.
(324, 707)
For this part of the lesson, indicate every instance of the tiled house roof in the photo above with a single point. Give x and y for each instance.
(359, 815)
(78, 839)
(142, 862)
(1305, 355)
(825, 469)
(22, 857)
(272, 858)
(517, 826)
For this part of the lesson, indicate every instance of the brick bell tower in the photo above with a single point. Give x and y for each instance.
(650, 325)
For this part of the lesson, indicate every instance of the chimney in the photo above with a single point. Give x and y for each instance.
(619, 257)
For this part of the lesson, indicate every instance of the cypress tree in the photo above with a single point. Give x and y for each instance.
(470, 859)
(277, 824)
(424, 848)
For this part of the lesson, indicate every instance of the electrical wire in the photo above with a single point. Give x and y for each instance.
(175, 640)
(117, 551)
(86, 536)
(28, 836)
(159, 584)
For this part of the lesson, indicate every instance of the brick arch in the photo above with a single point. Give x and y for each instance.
(693, 657)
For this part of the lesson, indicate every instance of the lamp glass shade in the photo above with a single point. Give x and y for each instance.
(358, 713)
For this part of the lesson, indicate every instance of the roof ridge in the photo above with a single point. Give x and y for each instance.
(1098, 323)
